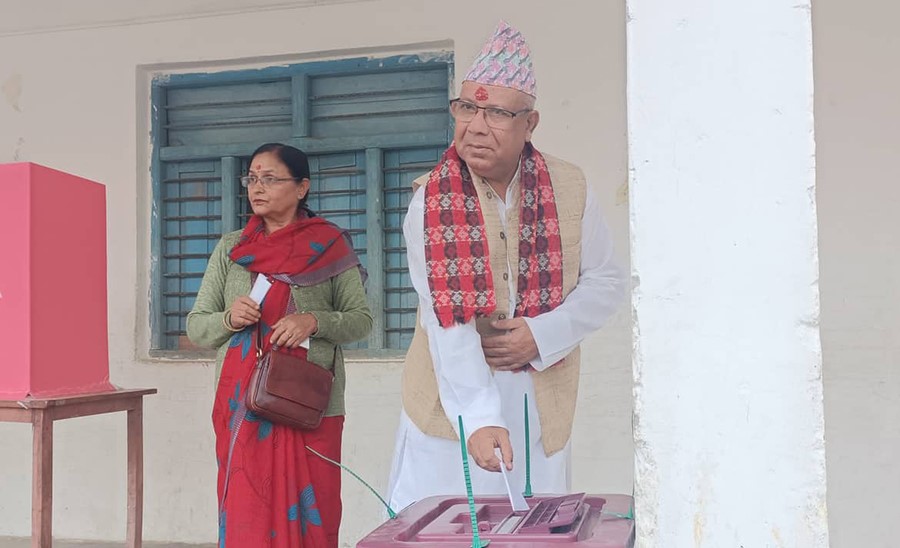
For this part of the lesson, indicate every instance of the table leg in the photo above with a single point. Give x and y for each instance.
(42, 479)
(135, 475)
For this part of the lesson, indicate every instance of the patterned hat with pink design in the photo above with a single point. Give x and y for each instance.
(505, 61)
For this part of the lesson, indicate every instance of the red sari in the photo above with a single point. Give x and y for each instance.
(272, 491)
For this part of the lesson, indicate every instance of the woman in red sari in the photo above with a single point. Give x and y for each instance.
(272, 490)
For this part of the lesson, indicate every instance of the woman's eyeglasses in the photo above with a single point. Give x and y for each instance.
(266, 181)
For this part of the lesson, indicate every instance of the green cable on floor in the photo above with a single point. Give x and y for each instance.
(391, 513)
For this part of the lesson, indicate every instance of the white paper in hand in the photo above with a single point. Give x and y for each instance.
(260, 288)
(515, 496)
(258, 293)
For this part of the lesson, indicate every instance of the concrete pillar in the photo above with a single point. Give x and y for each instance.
(729, 428)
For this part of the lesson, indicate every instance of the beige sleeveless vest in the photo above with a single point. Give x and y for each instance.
(556, 388)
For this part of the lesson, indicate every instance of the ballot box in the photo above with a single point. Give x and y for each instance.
(53, 318)
(595, 521)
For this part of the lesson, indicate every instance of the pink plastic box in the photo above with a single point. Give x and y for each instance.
(53, 318)
(580, 521)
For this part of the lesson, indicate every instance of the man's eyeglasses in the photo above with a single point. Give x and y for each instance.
(266, 181)
(495, 117)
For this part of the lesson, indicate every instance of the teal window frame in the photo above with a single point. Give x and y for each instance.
(360, 160)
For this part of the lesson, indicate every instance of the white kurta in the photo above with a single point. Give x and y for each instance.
(425, 465)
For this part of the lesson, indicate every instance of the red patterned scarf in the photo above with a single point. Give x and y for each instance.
(456, 247)
(306, 252)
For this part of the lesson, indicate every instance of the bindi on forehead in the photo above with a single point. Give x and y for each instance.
(482, 94)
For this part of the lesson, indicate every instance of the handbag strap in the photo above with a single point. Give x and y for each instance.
(258, 342)
(291, 308)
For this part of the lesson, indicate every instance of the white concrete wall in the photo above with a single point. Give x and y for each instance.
(74, 96)
(729, 415)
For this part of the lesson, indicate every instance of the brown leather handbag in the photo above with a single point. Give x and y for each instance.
(288, 389)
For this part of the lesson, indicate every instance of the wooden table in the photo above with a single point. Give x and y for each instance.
(41, 413)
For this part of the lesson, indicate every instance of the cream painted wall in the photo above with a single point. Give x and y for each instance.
(74, 96)
(857, 49)
(27, 16)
